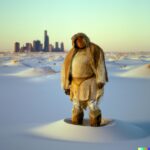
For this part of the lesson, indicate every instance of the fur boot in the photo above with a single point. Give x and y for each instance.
(77, 116)
(95, 118)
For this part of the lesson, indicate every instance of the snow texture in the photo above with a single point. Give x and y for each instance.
(34, 108)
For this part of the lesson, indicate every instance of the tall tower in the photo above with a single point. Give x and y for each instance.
(62, 46)
(17, 47)
(56, 49)
(46, 41)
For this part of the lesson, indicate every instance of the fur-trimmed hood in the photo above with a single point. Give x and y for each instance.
(75, 36)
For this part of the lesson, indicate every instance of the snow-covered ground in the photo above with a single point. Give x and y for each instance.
(34, 109)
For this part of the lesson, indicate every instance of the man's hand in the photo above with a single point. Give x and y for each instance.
(67, 91)
(100, 85)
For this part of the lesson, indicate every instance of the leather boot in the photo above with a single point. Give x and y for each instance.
(95, 118)
(77, 116)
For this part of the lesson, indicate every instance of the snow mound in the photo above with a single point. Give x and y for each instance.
(110, 131)
(56, 58)
(33, 72)
(138, 72)
(126, 67)
(12, 63)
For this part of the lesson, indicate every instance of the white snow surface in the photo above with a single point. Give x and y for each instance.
(35, 112)
(138, 72)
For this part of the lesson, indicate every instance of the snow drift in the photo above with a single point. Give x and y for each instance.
(33, 72)
(12, 63)
(110, 131)
(142, 71)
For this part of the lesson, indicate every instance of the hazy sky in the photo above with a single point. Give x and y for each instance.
(113, 24)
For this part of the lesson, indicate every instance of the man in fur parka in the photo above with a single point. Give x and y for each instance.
(83, 76)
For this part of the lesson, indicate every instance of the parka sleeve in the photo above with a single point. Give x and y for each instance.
(62, 76)
(101, 69)
(64, 79)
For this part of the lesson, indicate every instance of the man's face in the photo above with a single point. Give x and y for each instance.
(80, 42)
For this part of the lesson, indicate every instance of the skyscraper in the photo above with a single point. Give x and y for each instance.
(17, 47)
(62, 46)
(37, 46)
(46, 41)
(56, 46)
(28, 47)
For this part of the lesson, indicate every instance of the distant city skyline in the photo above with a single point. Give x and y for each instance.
(115, 25)
(37, 46)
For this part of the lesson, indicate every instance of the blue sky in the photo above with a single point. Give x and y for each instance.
(117, 25)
